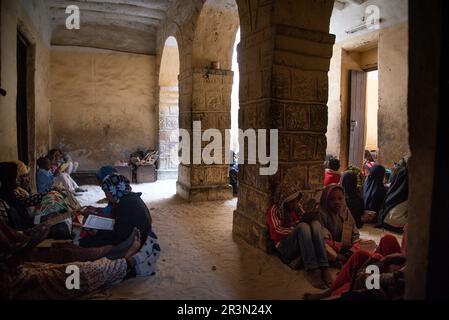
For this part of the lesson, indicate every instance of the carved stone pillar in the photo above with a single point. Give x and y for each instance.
(206, 97)
(284, 86)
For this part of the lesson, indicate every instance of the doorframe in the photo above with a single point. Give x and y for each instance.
(22, 118)
(345, 85)
(2, 91)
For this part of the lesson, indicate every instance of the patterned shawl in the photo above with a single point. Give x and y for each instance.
(117, 185)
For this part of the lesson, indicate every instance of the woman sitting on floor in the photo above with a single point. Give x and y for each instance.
(61, 177)
(352, 196)
(296, 234)
(394, 213)
(128, 210)
(63, 161)
(340, 229)
(105, 212)
(374, 192)
(102, 174)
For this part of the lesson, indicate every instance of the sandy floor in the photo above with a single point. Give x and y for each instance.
(200, 258)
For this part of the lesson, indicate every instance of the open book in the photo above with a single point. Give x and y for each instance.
(99, 223)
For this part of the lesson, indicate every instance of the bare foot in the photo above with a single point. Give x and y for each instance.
(135, 247)
(327, 277)
(119, 251)
(314, 277)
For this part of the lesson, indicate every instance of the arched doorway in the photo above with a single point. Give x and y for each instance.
(206, 101)
(235, 97)
(169, 111)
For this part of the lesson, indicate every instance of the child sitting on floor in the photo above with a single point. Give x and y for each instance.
(331, 175)
(340, 229)
(45, 177)
(297, 235)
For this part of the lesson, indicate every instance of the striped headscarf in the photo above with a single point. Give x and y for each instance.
(286, 192)
(117, 185)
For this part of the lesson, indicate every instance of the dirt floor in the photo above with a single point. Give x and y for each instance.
(201, 259)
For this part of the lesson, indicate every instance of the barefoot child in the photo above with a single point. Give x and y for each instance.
(296, 238)
(340, 230)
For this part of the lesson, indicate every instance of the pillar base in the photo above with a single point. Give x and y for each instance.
(250, 231)
(167, 174)
(206, 193)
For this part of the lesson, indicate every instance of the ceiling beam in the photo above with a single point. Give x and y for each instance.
(59, 16)
(148, 4)
(106, 37)
(125, 9)
(120, 24)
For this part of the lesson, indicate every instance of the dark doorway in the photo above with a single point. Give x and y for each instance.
(22, 112)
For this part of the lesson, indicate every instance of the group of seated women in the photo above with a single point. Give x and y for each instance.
(104, 257)
(316, 235)
(375, 194)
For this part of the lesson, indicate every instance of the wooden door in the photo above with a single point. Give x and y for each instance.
(357, 122)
